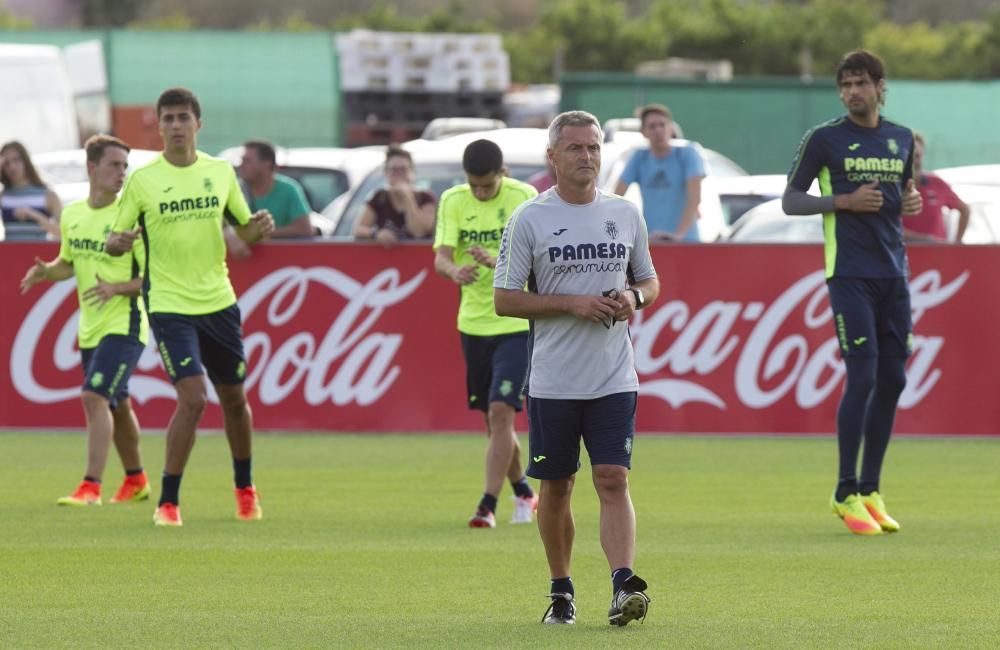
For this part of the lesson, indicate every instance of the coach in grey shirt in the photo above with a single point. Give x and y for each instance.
(584, 256)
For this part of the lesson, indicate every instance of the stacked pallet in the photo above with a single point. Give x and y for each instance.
(394, 83)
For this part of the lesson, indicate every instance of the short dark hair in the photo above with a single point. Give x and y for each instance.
(396, 151)
(265, 150)
(482, 157)
(96, 145)
(653, 109)
(861, 60)
(178, 97)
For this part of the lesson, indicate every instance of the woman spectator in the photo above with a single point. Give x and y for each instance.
(399, 211)
(25, 199)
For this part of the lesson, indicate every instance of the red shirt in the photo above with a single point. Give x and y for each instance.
(936, 195)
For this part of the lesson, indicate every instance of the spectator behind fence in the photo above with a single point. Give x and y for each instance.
(277, 193)
(399, 211)
(25, 199)
(544, 179)
(929, 224)
(669, 178)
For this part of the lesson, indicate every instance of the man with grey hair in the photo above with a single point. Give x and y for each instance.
(584, 256)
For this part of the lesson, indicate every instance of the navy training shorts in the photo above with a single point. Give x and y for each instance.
(107, 368)
(194, 345)
(555, 427)
(872, 316)
(495, 369)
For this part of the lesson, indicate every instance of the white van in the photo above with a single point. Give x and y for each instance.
(36, 98)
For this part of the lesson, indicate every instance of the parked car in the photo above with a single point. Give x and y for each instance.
(768, 222)
(720, 166)
(740, 193)
(438, 166)
(971, 175)
(445, 127)
(66, 171)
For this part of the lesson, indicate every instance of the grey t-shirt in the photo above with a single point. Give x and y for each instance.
(555, 247)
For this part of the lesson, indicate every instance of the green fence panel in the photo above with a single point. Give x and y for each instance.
(759, 122)
(279, 86)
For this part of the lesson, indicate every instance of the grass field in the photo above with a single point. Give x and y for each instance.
(364, 544)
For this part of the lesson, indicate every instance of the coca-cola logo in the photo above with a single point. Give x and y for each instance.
(350, 362)
(768, 367)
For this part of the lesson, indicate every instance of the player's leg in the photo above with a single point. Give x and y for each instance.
(509, 362)
(895, 326)
(177, 341)
(107, 369)
(477, 351)
(135, 487)
(554, 452)
(609, 430)
(221, 337)
(853, 302)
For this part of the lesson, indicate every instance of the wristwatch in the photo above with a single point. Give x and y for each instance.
(639, 301)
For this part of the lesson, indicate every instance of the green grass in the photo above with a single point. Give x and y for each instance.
(364, 544)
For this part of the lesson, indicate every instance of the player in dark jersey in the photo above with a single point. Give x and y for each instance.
(864, 165)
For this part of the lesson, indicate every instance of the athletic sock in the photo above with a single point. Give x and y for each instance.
(866, 487)
(489, 502)
(522, 488)
(845, 488)
(618, 578)
(91, 479)
(562, 586)
(133, 472)
(170, 492)
(241, 473)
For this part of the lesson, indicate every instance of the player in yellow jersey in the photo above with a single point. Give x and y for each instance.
(113, 328)
(471, 218)
(176, 206)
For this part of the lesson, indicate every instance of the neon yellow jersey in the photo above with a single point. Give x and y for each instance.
(84, 231)
(463, 222)
(180, 211)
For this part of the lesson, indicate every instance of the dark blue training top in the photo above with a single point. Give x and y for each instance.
(843, 155)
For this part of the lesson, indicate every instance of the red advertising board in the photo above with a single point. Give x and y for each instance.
(344, 337)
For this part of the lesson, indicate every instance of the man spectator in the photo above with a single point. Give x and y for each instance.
(669, 178)
(282, 196)
(400, 211)
(929, 224)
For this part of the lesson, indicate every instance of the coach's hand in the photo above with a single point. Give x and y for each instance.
(598, 309)
(913, 203)
(119, 243)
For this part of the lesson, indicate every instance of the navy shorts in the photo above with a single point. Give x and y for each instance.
(872, 316)
(107, 368)
(194, 345)
(555, 427)
(495, 369)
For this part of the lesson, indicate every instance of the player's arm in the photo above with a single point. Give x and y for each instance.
(104, 291)
(54, 270)
(444, 264)
(124, 231)
(260, 227)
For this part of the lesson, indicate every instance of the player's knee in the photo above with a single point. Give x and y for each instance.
(892, 378)
(557, 489)
(610, 479)
(192, 402)
(93, 401)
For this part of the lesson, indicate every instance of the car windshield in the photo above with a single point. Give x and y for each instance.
(433, 177)
(320, 185)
